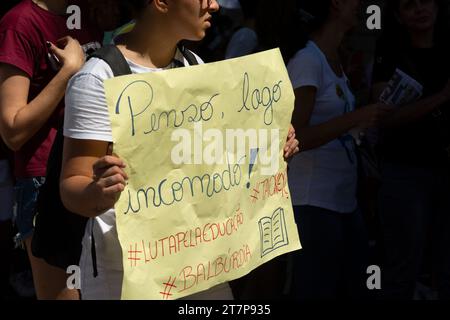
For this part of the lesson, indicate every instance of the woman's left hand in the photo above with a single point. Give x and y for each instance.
(292, 144)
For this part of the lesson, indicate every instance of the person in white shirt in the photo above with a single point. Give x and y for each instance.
(323, 177)
(91, 180)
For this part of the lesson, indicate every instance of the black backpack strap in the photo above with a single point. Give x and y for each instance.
(93, 252)
(188, 55)
(114, 58)
(119, 66)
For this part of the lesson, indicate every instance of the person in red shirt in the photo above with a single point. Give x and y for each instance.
(39, 53)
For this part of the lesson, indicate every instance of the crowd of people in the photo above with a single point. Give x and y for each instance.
(369, 180)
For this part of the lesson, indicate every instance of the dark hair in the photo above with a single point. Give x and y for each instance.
(130, 9)
(395, 36)
(288, 24)
(249, 8)
(277, 26)
(313, 15)
(136, 4)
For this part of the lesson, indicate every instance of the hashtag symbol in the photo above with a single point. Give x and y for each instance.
(254, 195)
(133, 255)
(167, 288)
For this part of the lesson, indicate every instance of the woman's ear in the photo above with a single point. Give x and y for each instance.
(161, 5)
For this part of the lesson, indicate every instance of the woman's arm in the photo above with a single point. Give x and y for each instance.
(315, 136)
(20, 119)
(91, 180)
(414, 111)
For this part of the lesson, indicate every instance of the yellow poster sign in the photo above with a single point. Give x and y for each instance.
(207, 199)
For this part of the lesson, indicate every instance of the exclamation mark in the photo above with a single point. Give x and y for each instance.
(253, 155)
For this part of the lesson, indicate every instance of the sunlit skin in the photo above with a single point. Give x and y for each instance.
(21, 118)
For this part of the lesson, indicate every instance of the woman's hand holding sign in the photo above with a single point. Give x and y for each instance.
(292, 144)
(91, 179)
(109, 180)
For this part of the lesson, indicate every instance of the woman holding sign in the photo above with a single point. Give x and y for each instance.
(92, 179)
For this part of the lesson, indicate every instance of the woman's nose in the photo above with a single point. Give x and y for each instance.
(213, 5)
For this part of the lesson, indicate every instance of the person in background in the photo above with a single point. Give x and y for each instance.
(244, 41)
(37, 59)
(278, 27)
(414, 144)
(323, 177)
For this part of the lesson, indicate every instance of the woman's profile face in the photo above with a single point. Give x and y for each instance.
(417, 15)
(191, 18)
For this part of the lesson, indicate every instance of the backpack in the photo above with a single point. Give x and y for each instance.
(59, 232)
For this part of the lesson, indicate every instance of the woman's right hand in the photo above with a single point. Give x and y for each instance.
(71, 57)
(109, 181)
(372, 115)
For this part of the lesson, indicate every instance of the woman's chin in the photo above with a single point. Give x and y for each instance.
(423, 27)
(197, 37)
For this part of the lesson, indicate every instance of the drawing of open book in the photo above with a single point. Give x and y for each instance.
(273, 232)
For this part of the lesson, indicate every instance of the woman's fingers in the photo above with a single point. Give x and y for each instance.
(113, 190)
(64, 41)
(291, 131)
(291, 146)
(106, 182)
(109, 175)
(106, 172)
(108, 161)
(289, 143)
(293, 149)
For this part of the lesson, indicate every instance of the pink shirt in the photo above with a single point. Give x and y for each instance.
(24, 31)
